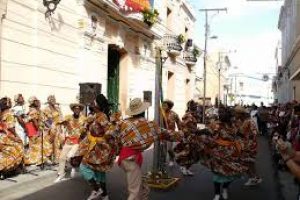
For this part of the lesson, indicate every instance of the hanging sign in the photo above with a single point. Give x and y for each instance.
(133, 6)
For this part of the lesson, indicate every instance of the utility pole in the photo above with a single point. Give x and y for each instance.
(205, 53)
(157, 118)
(219, 77)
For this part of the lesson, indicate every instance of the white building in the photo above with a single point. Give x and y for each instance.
(99, 41)
(288, 75)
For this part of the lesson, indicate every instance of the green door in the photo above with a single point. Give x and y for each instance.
(113, 77)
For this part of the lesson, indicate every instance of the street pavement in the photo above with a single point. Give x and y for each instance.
(198, 187)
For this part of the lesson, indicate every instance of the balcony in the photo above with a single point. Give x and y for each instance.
(172, 45)
(189, 58)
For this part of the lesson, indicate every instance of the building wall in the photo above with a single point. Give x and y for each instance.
(289, 24)
(41, 56)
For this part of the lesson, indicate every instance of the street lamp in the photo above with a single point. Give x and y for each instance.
(205, 53)
(51, 6)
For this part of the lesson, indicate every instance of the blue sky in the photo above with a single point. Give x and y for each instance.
(250, 29)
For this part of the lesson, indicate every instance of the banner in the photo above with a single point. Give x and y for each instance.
(133, 6)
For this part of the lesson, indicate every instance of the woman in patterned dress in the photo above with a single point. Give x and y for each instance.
(225, 151)
(185, 152)
(249, 133)
(98, 150)
(11, 145)
(37, 119)
(53, 116)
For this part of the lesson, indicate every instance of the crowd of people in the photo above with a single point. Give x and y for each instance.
(91, 142)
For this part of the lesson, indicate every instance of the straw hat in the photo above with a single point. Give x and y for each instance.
(74, 105)
(137, 106)
(50, 97)
(32, 99)
(240, 110)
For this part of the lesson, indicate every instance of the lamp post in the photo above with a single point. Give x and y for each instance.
(205, 53)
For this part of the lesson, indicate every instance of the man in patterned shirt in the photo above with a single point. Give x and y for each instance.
(76, 127)
(172, 120)
(137, 134)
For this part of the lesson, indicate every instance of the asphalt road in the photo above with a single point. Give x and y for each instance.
(198, 187)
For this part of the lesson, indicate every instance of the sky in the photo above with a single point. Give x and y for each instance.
(250, 29)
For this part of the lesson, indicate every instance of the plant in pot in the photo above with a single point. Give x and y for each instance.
(181, 39)
(150, 16)
(196, 52)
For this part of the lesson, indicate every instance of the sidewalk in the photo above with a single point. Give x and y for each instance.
(23, 184)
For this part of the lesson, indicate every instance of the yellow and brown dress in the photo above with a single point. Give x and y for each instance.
(53, 118)
(34, 153)
(11, 146)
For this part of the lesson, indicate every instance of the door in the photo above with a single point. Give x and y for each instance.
(113, 77)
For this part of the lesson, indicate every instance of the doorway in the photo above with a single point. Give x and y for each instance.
(113, 76)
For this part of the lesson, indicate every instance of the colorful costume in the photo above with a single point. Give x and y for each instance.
(76, 128)
(11, 146)
(53, 117)
(34, 153)
(222, 151)
(186, 152)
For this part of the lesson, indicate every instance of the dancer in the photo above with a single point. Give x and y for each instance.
(184, 151)
(20, 114)
(53, 116)
(98, 150)
(11, 146)
(172, 121)
(76, 130)
(135, 135)
(40, 148)
(224, 150)
(249, 133)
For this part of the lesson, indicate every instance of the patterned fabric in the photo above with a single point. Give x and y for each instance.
(9, 120)
(222, 151)
(75, 128)
(52, 118)
(249, 132)
(11, 148)
(189, 123)
(98, 153)
(139, 133)
(172, 119)
(186, 152)
(34, 154)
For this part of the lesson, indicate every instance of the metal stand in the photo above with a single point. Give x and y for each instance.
(159, 177)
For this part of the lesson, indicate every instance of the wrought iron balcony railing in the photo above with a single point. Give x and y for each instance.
(189, 58)
(172, 45)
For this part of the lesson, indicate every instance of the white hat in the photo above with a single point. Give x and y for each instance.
(137, 106)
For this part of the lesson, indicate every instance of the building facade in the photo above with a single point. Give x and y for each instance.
(94, 41)
(288, 73)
